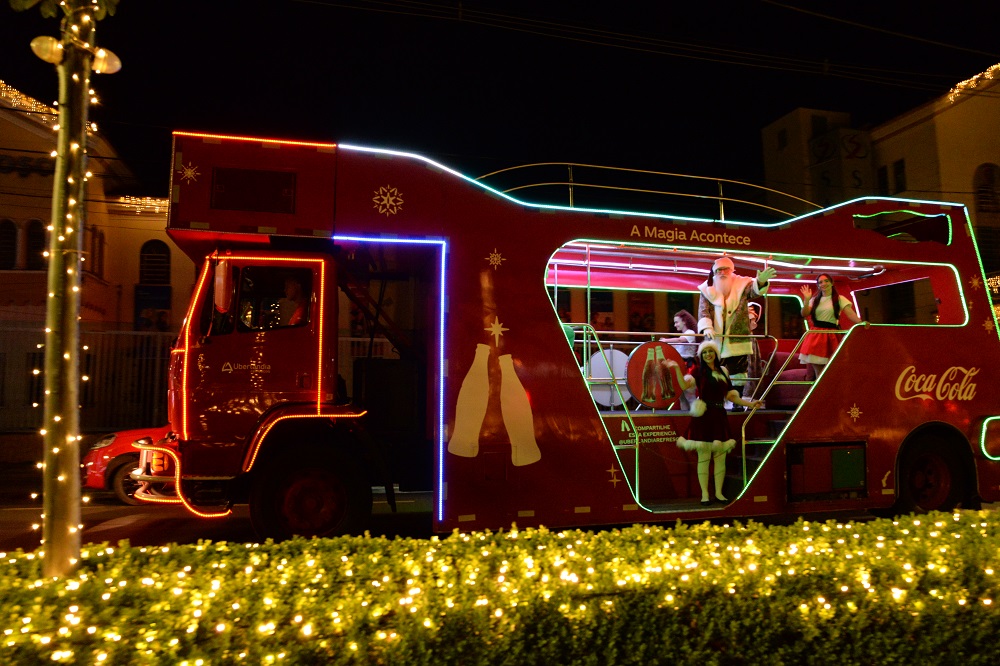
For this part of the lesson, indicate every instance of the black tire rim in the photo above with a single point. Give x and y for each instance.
(314, 503)
(930, 481)
(125, 486)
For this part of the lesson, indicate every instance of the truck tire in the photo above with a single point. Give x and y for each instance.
(931, 477)
(122, 484)
(312, 494)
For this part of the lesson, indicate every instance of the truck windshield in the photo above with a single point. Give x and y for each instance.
(272, 298)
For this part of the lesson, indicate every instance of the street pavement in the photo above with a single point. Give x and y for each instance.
(107, 520)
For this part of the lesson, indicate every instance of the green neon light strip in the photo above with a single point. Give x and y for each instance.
(982, 437)
(503, 195)
(588, 331)
(951, 224)
(982, 272)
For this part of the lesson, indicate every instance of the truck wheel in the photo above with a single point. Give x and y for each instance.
(931, 477)
(310, 494)
(122, 483)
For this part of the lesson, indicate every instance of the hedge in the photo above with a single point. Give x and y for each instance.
(914, 590)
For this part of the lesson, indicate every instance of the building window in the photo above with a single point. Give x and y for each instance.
(96, 258)
(782, 138)
(883, 181)
(36, 246)
(984, 184)
(8, 245)
(154, 263)
(899, 176)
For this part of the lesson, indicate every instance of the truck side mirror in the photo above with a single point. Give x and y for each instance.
(223, 287)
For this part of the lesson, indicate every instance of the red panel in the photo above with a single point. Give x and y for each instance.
(204, 200)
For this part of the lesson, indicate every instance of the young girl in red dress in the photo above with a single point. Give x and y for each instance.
(823, 310)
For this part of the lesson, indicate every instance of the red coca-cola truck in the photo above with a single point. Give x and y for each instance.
(368, 317)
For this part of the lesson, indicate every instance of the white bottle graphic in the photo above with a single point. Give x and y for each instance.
(470, 410)
(517, 416)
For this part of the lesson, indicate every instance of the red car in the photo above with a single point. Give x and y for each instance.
(106, 466)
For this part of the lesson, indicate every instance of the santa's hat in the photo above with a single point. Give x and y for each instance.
(723, 262)
(713, 345)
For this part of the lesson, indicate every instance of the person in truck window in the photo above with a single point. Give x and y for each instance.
(823, 310)
(754, 365)
(293, 307)
(709, 433)
(686, 345)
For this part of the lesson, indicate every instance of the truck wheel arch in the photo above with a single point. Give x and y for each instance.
(310, 478)
(934, 470)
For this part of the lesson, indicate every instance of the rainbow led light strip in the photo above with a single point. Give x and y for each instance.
(604, 211)
(442, 300)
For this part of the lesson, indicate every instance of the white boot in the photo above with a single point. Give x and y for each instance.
(704, 457)
(720, 475)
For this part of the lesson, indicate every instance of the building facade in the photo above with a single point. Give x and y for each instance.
(135, 282)
(134, 277)
(947, 149)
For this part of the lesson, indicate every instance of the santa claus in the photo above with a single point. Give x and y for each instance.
(723, 313)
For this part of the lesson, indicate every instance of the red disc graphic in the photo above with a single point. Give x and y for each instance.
(649, 379)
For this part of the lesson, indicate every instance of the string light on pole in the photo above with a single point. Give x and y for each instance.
(75, 56)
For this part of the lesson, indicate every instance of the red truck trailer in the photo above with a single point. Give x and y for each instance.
(509, 384)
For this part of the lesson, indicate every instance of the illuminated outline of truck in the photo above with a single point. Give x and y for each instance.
(894, 423)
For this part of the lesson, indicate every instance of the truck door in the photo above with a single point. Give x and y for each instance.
(259, 346)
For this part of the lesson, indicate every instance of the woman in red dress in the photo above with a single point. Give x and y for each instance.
(823, 310)
(709, 433)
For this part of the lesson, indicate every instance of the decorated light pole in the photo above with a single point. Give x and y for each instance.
(75, 56)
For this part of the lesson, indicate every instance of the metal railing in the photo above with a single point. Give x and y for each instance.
(777, 381)
(123, 379)
(555, 176)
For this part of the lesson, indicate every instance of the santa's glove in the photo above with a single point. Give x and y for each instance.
(764, 276)
(708, 334)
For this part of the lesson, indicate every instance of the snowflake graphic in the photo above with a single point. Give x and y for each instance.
(388, 200)
(189, 172)
(974, 282)
(854, 412)
(988, 325)
(495, 259)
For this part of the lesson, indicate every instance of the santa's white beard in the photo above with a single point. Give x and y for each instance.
(724, 284)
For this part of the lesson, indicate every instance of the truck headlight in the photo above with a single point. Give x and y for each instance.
(107, 440)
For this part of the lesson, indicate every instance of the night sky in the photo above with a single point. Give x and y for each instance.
(481, 85)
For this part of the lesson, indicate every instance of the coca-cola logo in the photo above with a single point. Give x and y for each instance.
(955, 383)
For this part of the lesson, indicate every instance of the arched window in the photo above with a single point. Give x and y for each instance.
(8, 245)
(97, 253)
(94, 248)
(35, 246)
(154, 263)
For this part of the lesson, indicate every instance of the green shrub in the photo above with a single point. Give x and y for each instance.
(916, 590)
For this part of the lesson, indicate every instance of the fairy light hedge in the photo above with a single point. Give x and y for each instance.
(854, 593)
